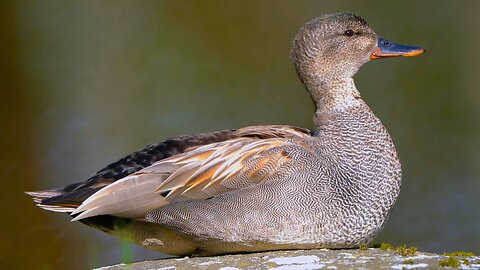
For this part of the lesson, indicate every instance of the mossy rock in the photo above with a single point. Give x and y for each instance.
(371, 258)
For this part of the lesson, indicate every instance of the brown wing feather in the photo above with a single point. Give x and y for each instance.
(198, 168)
(67, 198)
(232, 166)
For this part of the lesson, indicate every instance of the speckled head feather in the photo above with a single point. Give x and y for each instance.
(332, 46)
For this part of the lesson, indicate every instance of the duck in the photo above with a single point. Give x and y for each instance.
(260, 188)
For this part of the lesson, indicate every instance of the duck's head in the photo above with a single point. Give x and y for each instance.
(336, 45)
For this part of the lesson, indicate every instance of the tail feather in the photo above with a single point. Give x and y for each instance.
(56, 208)
(71, 198)
(39, 197)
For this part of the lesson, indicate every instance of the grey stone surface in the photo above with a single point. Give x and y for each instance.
(305, 259)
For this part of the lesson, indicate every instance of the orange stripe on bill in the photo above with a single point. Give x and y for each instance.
(386, 48)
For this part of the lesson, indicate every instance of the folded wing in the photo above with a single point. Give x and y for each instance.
(200, 172)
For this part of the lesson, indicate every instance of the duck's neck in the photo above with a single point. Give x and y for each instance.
(332, 96)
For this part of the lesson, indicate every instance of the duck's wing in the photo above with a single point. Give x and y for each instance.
(251, 155)
(67, 199)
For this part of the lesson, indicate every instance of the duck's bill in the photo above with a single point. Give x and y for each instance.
(386, 48)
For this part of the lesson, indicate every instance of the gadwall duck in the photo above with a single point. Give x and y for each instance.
(261, 187)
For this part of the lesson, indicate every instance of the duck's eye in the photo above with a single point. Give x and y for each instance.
(349, 33)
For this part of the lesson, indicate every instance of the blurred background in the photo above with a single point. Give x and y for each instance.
(84, 83)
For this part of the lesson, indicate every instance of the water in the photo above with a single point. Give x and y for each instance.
(84, 83)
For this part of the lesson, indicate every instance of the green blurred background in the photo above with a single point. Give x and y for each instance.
(84, 83)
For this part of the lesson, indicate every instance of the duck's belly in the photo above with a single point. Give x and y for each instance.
(286, 218)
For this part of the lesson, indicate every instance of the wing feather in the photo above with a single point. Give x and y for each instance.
(198, 173)
(178, 178)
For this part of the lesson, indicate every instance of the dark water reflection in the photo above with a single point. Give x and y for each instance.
(84, 83)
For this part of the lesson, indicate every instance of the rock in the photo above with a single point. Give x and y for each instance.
(372, 258)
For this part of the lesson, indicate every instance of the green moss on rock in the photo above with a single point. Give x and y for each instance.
(404, 251)
(386, 246)
(459, 254)
(363, 247)
(450, 262)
